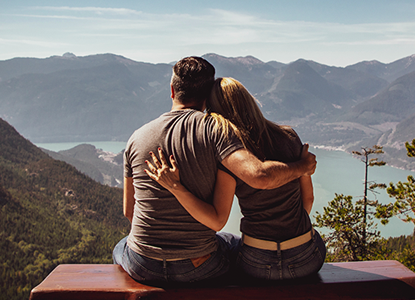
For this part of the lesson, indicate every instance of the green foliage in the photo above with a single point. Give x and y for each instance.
(407, 257)
(404, 194)
(345, 240)
(365, 202)
(16, 150)
(404, 206)
(410, 148)
(366, 151)
(353, 234)
(50, 214)
(402, 249)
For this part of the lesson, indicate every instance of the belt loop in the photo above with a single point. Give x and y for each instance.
(165, 268)
(279, 258)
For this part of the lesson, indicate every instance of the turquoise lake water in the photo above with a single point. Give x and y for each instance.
(337, 172)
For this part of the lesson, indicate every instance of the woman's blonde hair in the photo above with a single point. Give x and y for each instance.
(230, 99)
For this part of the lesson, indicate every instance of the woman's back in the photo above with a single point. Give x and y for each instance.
(276, 214)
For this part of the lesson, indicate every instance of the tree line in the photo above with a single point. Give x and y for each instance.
(353, 234)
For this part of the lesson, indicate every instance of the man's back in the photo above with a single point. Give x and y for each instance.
(166, 244)
(161, 227)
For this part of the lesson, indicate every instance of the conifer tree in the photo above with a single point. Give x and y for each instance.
(404, 194)
(353, 234)
(344, 241)
(366, 152)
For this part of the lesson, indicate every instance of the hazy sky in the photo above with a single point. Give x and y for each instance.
(331, 32)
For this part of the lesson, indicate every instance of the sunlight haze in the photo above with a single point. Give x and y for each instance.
(337, 33)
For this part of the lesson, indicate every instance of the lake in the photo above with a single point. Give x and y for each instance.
(337, 172)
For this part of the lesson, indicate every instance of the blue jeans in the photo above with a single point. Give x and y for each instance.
(297, 262)
(156, 272)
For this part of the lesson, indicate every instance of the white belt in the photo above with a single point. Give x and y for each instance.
(273, 246)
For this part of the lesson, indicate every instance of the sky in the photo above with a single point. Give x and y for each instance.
(330, 32)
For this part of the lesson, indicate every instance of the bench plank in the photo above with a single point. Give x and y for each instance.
(349, 280)
(94, 281)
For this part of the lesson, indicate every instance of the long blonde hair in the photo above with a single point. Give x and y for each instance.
(230, 99)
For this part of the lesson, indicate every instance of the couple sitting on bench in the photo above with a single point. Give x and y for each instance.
(230, 149)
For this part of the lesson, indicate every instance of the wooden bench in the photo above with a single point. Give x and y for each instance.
(386, 279)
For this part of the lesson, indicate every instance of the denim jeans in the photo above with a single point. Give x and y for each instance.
(297, 262)
(157, 272)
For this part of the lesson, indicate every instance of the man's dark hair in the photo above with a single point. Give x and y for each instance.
(192, 80)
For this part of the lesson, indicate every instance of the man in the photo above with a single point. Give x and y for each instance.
(166, 244)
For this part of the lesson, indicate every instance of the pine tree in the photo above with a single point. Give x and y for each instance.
(366, 152)
(353, 234)
(404, 194)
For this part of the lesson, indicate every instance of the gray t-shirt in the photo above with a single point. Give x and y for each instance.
(161, 227)
(276, 214)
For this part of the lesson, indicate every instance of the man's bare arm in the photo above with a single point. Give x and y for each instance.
(307, 194)
(306, 185)
(268, 174)
(128, 198)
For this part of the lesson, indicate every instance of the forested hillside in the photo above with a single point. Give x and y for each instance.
(50, 214)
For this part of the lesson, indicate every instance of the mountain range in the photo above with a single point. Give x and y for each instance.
(104, 167)
(106, 97)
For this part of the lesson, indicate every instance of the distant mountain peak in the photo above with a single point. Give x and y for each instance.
(247, 60)
(301, 60)
(375, 62)
(68, 55)
(372, 62)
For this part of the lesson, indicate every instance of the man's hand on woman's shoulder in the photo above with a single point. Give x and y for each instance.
(309, 160)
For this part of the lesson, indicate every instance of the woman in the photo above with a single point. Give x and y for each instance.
(278, 241)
